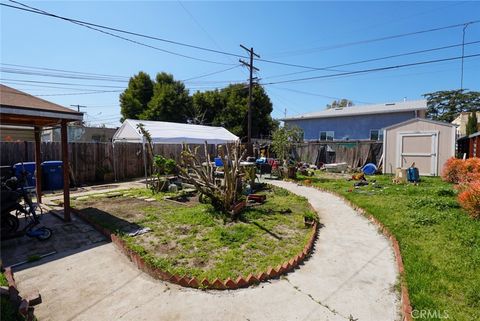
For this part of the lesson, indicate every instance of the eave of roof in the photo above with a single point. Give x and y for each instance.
(364, 110)
(16, 102)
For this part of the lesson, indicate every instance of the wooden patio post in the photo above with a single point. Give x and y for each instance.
(66, 175)
(38, 160)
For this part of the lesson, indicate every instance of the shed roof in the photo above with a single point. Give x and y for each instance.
(365, 110)
(172, 133)
(474, 135)
(419, 120)
(21, 108)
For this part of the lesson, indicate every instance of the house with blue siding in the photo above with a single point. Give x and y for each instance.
(356, 122)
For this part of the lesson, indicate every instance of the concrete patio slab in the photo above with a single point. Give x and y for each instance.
(350, 276)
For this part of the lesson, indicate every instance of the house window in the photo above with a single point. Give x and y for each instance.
(376, 134)
(326, 135)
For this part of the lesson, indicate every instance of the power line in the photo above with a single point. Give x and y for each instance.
(377, 59)
(318, 95)
(57, 75)
(83, 93)
(63, 70)
(370, 70)
(58, 83)
(96, 28)
(38, 87)
(54, 87)
(359, 42)
(210, 74)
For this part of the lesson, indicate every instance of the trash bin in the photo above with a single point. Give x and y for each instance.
(52, 175)
(29, 168)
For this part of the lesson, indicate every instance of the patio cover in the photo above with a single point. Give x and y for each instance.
(172, 133)
(21, 109)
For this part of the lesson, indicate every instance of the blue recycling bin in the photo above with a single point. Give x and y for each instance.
(29, 169)
(218, 162)
(52, 175)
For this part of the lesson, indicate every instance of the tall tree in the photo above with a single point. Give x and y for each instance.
(134, 100)
(340, 103)
(205, 107)
(445, 105)
(170, 101)
(234, 116)
(472, 123)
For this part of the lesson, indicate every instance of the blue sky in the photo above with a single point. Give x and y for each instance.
(301, 33)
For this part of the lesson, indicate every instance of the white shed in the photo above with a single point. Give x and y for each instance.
(172, 133)
(426, 142)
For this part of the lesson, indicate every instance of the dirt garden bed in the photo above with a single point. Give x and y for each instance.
(190, 239)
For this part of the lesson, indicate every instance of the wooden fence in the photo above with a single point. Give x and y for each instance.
(354, 153)
(89, 161)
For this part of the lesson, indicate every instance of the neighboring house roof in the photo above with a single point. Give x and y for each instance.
(420, 120)
(20, 106)
(463, 117)
(172, 133)
(365, 110)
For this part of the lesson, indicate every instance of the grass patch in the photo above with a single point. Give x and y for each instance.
(440, 243)
(192, 239)
(3, 280)
(7, 310)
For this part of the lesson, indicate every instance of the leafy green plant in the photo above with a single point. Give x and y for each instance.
(283, 140)
(434, 202)
(310, 216)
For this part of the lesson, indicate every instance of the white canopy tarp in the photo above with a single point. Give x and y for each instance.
(172, 133)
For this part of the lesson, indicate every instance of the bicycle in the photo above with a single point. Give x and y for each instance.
(11, 198)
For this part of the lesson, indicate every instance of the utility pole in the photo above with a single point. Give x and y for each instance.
(250, 89)
(78, 107)
(463, 52)
(285, 113)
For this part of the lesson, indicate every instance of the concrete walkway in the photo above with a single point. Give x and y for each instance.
(350, 276)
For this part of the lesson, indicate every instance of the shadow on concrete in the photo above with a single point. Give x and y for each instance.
(109, 221)
(68, 239)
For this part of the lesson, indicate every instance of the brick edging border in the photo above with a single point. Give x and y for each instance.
(25, 309)
(193, 282)
(405, 298)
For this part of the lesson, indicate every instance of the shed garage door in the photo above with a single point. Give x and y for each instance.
(420, 148)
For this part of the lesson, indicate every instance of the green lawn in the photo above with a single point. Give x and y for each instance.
(439, 242)
(194, 240)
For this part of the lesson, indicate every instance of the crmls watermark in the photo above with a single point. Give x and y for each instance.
(430, 314)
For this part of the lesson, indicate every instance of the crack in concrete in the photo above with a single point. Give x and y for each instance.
(349, 318)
